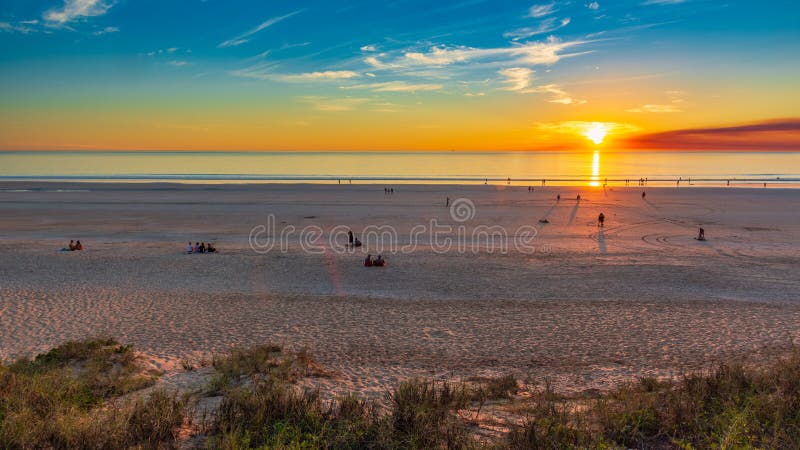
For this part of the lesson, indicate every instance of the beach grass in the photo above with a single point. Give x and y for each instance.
(74, 397)
(94, 394)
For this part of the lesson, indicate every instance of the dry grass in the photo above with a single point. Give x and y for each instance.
(68, 398)
(75, 397)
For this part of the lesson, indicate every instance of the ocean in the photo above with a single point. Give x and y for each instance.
(559, 168)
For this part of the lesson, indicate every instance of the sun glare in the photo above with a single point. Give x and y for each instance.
(596, 132)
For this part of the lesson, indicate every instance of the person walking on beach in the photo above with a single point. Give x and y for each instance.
(447, 203)
(350, 237)
(643, 195)
(601, 219)
(558, 197)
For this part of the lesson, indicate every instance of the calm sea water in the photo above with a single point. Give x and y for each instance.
(586, 167)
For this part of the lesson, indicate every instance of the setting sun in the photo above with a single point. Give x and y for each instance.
(596, 132)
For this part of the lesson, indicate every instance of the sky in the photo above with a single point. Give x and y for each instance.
(399, 75)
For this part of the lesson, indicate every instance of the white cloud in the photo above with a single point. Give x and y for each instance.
(241, 39)
(369, 48)
(541, 10)
(396, 86)
(106, 30)
(517, 78)
(594, 6)
(532, 53)
(546, 26)
(178, 63)
(76, 10)
(317, 76)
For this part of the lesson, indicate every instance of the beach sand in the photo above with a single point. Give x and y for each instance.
(588, 308)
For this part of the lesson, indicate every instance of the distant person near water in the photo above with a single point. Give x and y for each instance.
(701, 236)
(643, 195)
(447, 202)
(601, 219)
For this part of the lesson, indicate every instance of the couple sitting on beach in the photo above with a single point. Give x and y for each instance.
(377, 262)
(353, 241)
(200, 247)
(73, 246)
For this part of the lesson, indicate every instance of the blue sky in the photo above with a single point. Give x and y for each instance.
(624, 59)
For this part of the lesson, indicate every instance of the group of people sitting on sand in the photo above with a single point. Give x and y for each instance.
(200, 247)
(73, 246)
(377, 262)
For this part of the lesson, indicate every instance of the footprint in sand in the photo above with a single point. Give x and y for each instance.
(438, 334)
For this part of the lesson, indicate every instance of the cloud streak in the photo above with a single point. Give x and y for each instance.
(396, 86)
(776, 135)
(243, 38)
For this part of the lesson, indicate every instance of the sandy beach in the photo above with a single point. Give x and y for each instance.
(587, 309)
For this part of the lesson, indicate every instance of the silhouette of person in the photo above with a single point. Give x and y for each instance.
(702, 235)
(601, 219)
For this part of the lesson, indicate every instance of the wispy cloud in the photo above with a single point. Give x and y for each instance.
(316, 76)
(243, 38)
(520, 80)
(178, 63)
(517, 78)
(396, 86)
(545, 26)
(330, 104)
(73, 10)
(19, 27)
(676, 98)
(579, 127)
(653, 108)
(594, 6)
(106, 30)
(532, 53)
(538, 11)
(369, 48)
